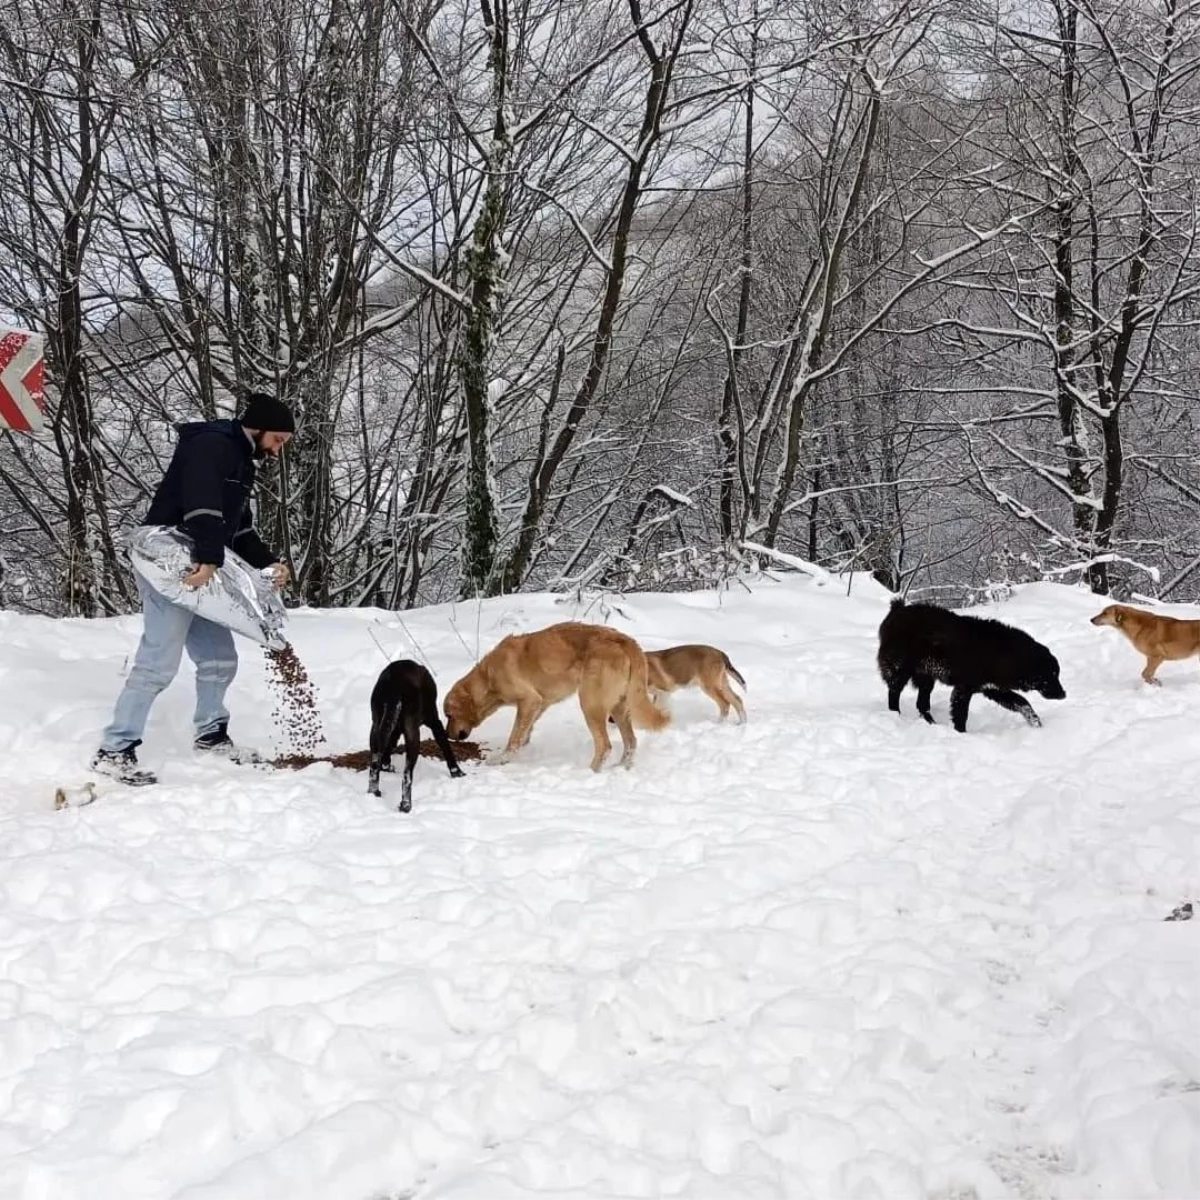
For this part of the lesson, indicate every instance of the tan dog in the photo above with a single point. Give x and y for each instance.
(710, 668)
(535, 670)
(1161, 639)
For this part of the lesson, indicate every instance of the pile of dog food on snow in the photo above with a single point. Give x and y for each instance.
(360, 760)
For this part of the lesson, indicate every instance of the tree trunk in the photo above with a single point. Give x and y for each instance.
(730, 426)
(485, 265)
(1065, 354)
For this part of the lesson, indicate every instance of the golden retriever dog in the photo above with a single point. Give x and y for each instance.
(535, 670)
(1161, 639)
(704, 666)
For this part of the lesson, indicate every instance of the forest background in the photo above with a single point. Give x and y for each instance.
(612, 295)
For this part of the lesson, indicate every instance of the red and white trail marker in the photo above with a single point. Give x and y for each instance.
(22, 400)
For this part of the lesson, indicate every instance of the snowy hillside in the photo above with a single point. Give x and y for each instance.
(833, 955)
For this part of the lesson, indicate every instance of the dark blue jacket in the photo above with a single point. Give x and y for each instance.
(206, 493)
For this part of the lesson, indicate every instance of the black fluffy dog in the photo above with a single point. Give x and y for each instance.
(923, 643)
(404, 697)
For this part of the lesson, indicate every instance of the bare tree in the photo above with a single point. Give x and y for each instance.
(1099, 102)
(65, 90)
(660, 71)
(269, 226)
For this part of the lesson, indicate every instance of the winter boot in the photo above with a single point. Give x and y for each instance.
(122, 765)
(218, 744)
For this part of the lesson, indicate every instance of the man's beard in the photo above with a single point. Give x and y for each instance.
(260, 450)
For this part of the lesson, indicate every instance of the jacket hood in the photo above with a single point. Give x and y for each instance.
(233, 429)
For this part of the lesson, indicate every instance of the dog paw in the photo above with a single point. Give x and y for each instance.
(1154, 682)
(404, 806)
(456, 772)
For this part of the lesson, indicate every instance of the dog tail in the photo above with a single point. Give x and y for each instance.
(385, 722)
(642, 710)
(734, 671)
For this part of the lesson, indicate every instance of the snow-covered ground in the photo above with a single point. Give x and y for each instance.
(835, 954)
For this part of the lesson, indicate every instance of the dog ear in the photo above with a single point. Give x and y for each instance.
(481, 678)
(1118, 616)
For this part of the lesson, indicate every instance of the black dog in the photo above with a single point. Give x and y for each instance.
(404, 696)
(922, 642)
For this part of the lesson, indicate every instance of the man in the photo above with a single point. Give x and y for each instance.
(206, 494)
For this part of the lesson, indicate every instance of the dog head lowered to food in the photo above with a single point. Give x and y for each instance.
(468, 704)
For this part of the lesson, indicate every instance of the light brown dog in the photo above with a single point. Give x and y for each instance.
(535, 670)
(705, 666)
(1161, 639)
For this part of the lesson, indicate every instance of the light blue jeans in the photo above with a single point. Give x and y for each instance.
(168, 631)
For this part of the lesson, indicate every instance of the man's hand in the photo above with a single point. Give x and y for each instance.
(199, 575)
(280, 575)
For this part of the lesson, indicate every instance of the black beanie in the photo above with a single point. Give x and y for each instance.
(265, 412)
